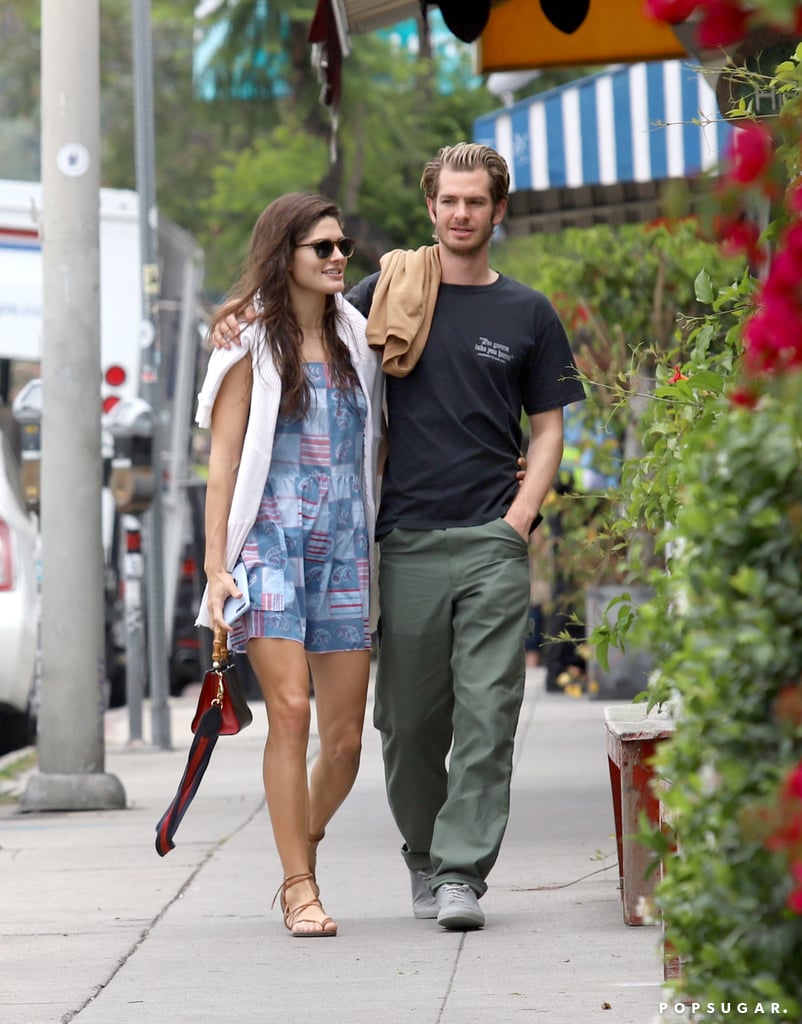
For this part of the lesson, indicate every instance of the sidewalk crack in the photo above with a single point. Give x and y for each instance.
(452, 977)
(147, 930)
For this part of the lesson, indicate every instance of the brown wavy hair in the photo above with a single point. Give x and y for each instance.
(468, 156)
(263, 284)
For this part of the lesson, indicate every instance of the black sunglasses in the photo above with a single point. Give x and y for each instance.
(325, 247)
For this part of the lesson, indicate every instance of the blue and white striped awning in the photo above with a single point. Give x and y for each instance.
(630, 123)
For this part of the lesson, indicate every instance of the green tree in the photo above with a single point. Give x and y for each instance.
(286, 160)
(187, 131)
(397, 110)
(630, 310)
(263, 130)
(721, 480)
(624, 296)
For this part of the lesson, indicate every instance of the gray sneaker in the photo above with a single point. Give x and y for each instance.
(424, 905)
(459, 907)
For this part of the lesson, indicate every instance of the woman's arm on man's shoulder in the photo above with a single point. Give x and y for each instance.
(361, 295)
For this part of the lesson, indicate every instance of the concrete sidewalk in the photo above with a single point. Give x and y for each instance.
(97, 928)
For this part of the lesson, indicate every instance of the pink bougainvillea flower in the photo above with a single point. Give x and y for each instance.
(673, 11)
(792, 239)
(789, 833)
(741, 236)
(744, 397)
(794, 783)
(794, 197)
(772, 339)
(723, 23)
(794, 902)
(786, 273)
(750, 153)
(677, 376)
(768, 349)
(764, 335)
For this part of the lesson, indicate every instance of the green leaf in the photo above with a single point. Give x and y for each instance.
(602, 652)
(703, 287)
(706, 380)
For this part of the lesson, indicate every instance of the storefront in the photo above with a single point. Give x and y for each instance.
(600, 149)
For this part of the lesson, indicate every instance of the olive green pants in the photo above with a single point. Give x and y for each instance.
(450, 677)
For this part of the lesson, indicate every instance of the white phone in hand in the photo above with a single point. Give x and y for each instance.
(235, 607)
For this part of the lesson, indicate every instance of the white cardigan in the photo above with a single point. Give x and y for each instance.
(257, 448)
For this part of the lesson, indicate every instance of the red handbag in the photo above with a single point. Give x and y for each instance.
(222, 711)
(221, 688)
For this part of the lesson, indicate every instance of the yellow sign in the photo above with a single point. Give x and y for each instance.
(524, 34)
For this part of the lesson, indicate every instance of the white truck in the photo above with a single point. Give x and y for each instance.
(120, 290)
(122, 331)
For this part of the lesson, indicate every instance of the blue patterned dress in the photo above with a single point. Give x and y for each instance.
(307, 552)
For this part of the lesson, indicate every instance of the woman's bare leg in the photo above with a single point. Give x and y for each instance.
(341, 686)
(283, 674)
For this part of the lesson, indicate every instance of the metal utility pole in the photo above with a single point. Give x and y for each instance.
(131, 558)
(71, 745)
(150, 388)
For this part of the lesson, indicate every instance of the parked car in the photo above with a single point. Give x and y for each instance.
(19, 615)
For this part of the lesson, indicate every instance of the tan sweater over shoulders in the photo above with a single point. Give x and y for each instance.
(403, 306)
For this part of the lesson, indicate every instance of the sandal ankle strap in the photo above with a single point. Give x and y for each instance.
(289, 882)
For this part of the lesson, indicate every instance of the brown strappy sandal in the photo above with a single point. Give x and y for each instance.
(291, 916)
(313, 841)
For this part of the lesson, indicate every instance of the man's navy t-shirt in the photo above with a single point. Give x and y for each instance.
(454, 420)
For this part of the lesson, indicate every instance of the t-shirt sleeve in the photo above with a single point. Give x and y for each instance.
(551, 379)
(361, 295)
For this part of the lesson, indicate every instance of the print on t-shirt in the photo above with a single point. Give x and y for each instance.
(493, 350)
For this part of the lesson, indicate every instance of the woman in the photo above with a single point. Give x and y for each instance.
(295, 431)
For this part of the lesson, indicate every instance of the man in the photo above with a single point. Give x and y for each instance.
(454, 526)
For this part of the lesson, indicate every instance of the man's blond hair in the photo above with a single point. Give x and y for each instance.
(468, 156)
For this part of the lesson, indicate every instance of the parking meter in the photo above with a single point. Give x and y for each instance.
(131, 481)
(27, 410)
